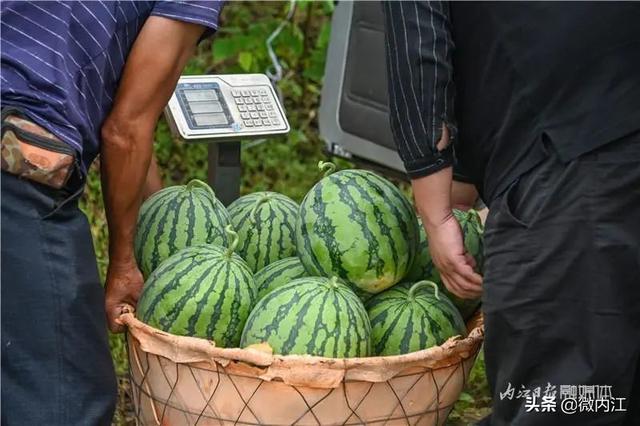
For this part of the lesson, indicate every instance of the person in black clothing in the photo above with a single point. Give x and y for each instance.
(540, 103)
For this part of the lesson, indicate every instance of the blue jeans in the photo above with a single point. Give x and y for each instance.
(56, 366)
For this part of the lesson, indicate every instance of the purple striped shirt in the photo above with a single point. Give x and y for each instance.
(62, 61)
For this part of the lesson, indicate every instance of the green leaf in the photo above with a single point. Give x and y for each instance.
(224, 48)
(323, 38)
(465, 397)
(245, 59)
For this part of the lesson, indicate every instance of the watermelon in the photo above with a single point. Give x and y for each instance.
(311, 316)
(177, 217)
(358, 226)
(410, 317)
(203, 291)
(424, 269)
(265, 222)
(277, 274)
(362, 295)
(473, 232)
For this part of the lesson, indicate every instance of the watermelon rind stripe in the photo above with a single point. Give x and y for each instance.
(203, 291)
(358, 226)
(265, 222)
(174, 218)
(311, 315)
(402, 323)
(277, 274)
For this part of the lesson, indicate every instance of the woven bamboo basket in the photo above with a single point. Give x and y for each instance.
(179, 380)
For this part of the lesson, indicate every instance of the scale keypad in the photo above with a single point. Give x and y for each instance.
(256, 108)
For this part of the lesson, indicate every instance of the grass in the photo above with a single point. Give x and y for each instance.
(285, 164)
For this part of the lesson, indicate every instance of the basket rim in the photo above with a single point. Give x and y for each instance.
(463, 347)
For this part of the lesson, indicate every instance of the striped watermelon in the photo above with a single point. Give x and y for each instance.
(473, 232)
(411, 317)
(362, 295)
(203, 291)
(358, 226)
(265, 222)
(313, 316)
(423, 267)
(177, 217)
(277, 274)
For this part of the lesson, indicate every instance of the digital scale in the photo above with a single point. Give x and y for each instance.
(222, 110)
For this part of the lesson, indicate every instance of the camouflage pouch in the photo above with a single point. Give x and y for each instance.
(31, 152)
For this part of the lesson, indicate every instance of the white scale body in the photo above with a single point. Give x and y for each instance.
(224, 108)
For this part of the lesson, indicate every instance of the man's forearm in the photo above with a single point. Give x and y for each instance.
(124, 166)
(433, 197)
(151, 72)
(463, 195)
(153, 182)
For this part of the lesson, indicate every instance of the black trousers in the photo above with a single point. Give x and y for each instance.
(56, 366)
(562, 289)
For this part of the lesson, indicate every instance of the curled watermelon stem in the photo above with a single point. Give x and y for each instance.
(421, 284)
(253, 216)
(327, 167)
(197, 183)
(233, 236)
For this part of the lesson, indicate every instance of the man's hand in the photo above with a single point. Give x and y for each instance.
(446, 245)
(123, 287)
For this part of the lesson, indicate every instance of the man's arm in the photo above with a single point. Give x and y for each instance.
(419, 48)
(464, 196)
(153, 67)
(153, 182)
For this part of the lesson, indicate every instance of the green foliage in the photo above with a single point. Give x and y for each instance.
(475, 400)
(284, 164)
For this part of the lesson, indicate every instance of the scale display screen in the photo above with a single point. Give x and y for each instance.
(203, 105)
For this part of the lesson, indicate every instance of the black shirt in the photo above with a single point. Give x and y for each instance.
(528, 76)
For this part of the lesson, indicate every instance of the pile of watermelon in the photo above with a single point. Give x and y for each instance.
(346, 273)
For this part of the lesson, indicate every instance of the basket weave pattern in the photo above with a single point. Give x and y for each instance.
(188, 381)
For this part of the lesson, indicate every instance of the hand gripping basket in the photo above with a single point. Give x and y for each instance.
(188, 381)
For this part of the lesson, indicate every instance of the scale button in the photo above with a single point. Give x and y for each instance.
(235, 93)
(257, 122)
(239, 101)
(263, 91)
(248, 123)
(245, 115)
(242, 107)
(265, 99)
(263, 114)
(266, 122)
(269, 107)
(245, 92)
(254, 92)
(260, 107)
(248, 100)
(272, 114)
(254, 115)
(256, 100)
(275, 121)
(251, 107)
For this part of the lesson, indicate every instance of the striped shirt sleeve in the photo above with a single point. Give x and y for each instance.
(421, 90)
(205, 13)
